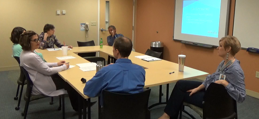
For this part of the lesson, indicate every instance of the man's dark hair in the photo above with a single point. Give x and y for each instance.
(16, 33)
(124, 46)
(48, 27)
(113, 27)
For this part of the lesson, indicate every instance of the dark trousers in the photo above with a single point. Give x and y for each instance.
(180, 95)
(61, 84)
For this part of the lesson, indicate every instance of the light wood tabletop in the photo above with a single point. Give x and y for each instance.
(157, 72)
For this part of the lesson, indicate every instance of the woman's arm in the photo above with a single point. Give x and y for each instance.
(204, 84)
(201, 87)
(52, 64)
(38, 64)
(56, 42)
(192, 91)
(43, 43)
(235, 85)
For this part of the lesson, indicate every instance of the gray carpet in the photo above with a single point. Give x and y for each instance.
(41, 109)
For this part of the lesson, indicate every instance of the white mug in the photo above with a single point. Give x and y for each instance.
(64, 49)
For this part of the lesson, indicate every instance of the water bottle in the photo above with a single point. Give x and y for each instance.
(99, 66)
(181, 61)
(101, 43)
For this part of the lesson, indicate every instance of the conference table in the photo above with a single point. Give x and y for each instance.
(157, 72)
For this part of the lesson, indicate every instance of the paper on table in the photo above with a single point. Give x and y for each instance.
(61, 48)
(147, 58)
(87, 66)
(53, 49)
(71, 66)
(56, 49)
(151, 59)
(142, 56)
(65, 57)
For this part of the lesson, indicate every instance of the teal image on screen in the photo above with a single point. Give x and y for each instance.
(201, 17)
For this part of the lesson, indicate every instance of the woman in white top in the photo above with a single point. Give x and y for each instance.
(43, 74)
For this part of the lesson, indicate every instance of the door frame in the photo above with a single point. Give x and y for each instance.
(98, 29)
(133, 25)
(133, 22)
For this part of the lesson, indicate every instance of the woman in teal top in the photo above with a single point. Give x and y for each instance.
(15, 37)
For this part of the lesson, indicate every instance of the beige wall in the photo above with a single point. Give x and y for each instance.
(34, 14)
(154, 15)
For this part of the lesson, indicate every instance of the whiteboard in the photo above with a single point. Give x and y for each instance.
(246, 23)
(201, 21)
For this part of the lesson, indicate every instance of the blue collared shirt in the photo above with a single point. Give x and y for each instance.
(120, 77)
(110, 39)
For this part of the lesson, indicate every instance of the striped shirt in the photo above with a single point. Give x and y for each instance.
(234, 76)
(50, 42)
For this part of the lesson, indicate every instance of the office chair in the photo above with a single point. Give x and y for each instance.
(90, 56)
(218, 104)
(21, 82)
(88, 43)
(29, 87)
(153, 53)
(125, 106)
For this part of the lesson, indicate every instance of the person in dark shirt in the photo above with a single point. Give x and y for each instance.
(48, 39)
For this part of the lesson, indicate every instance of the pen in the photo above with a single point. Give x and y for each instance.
(171, 72)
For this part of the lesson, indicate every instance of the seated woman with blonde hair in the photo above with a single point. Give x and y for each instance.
(229, 74)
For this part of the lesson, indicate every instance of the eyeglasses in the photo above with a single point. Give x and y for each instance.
(35, 40)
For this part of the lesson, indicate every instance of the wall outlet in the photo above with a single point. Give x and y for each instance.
(93, 23)
(257, 74)
(58, 12)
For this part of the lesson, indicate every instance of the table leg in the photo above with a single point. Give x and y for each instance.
(167, 92)
(79, 106)
(160, 97)
(84, 109)
(160, 93)
(99, 107)
(89, 108)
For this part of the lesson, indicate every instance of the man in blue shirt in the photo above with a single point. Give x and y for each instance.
(113, 36)
(120, 77)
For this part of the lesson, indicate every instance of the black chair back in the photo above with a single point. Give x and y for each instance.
(88, 43)
(22, 77)
(17, 59)
(218, 104)
(153, 53)
(126, 106)
(29, 82)
(29, 94)
(96, 59)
